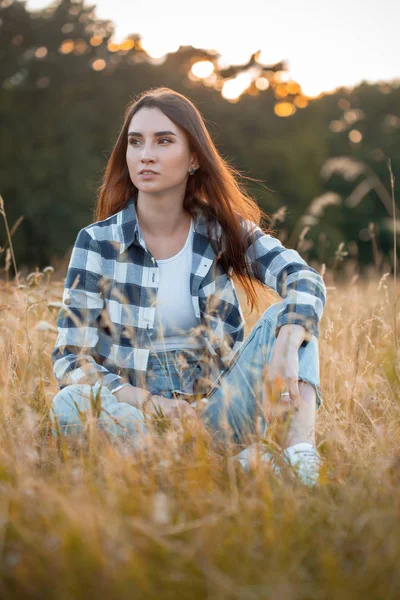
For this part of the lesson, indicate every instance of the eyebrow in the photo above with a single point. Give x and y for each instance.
(157, 133)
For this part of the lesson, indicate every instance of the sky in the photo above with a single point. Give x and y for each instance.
(325, 44)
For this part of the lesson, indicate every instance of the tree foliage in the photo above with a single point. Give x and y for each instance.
(64, 87)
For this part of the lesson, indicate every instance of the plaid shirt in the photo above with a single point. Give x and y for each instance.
(105, 326)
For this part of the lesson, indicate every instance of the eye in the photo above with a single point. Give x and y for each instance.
(132, 140)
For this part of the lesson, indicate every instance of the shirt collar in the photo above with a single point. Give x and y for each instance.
(128, 228)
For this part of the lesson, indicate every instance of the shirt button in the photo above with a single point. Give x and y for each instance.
(67, 301)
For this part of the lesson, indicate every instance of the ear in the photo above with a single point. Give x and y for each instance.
(195, 162)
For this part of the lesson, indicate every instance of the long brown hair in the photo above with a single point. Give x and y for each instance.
(214, 187)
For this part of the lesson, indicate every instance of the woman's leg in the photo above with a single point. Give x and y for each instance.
(302, 425)
(234, 402)
(165, 372)
(117, 418)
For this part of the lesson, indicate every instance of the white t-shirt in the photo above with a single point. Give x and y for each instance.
(174, 315)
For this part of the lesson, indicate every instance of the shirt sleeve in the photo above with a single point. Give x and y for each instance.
(74, 354)
(282, 269)
(120, 387)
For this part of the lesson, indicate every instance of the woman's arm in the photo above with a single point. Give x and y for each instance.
(301, 287)
(130, 394)
(74, 351)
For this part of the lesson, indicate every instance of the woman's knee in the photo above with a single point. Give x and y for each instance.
(119, 418)
(72, 397)
(69, 405)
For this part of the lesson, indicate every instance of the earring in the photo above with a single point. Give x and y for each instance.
(192, 171)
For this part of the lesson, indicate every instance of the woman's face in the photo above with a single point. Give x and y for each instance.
(156, 143)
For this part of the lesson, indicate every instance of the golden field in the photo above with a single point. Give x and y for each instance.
(177, 520)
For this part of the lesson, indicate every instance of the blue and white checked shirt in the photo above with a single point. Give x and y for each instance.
(105, 326)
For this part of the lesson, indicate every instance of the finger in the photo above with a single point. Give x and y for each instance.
(274, 385)
(293, 385)
(285, 398)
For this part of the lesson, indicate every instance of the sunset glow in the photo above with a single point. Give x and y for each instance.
(324, 46)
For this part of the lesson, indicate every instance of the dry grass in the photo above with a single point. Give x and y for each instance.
(175, 520)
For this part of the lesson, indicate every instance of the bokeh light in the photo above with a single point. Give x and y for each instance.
(96, 40)
(112, 47)
(67, 46)
(202, 69)
(355, 136)
(41, 52)
(80, 47)
(67, 28)
(99, 64)
(337, 126)
(300, 101)
(262, 83)
(233, 88)
(284, 109)
(43, 83)
(127, 45)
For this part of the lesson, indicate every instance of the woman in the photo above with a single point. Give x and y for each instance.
(150, 315)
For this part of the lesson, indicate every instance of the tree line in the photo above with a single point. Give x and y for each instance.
(64, 86)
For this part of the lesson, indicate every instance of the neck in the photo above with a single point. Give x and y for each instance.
(161, 219)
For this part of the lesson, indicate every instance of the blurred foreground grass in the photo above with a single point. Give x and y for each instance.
(176, 521)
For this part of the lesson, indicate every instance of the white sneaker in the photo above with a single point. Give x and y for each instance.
(248, 457)
(305, 460)
(303, 457)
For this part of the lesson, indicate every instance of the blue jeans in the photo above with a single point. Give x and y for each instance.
(229, 400)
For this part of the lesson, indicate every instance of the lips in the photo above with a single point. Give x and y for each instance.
(144, 171)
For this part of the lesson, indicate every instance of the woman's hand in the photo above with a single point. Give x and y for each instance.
(176, 410)
(282, 372)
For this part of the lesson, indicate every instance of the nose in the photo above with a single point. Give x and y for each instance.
(146, 154)
(146, 157)
(147, 162)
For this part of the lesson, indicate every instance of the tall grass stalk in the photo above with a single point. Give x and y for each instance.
(392, 180)
(3, 213)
